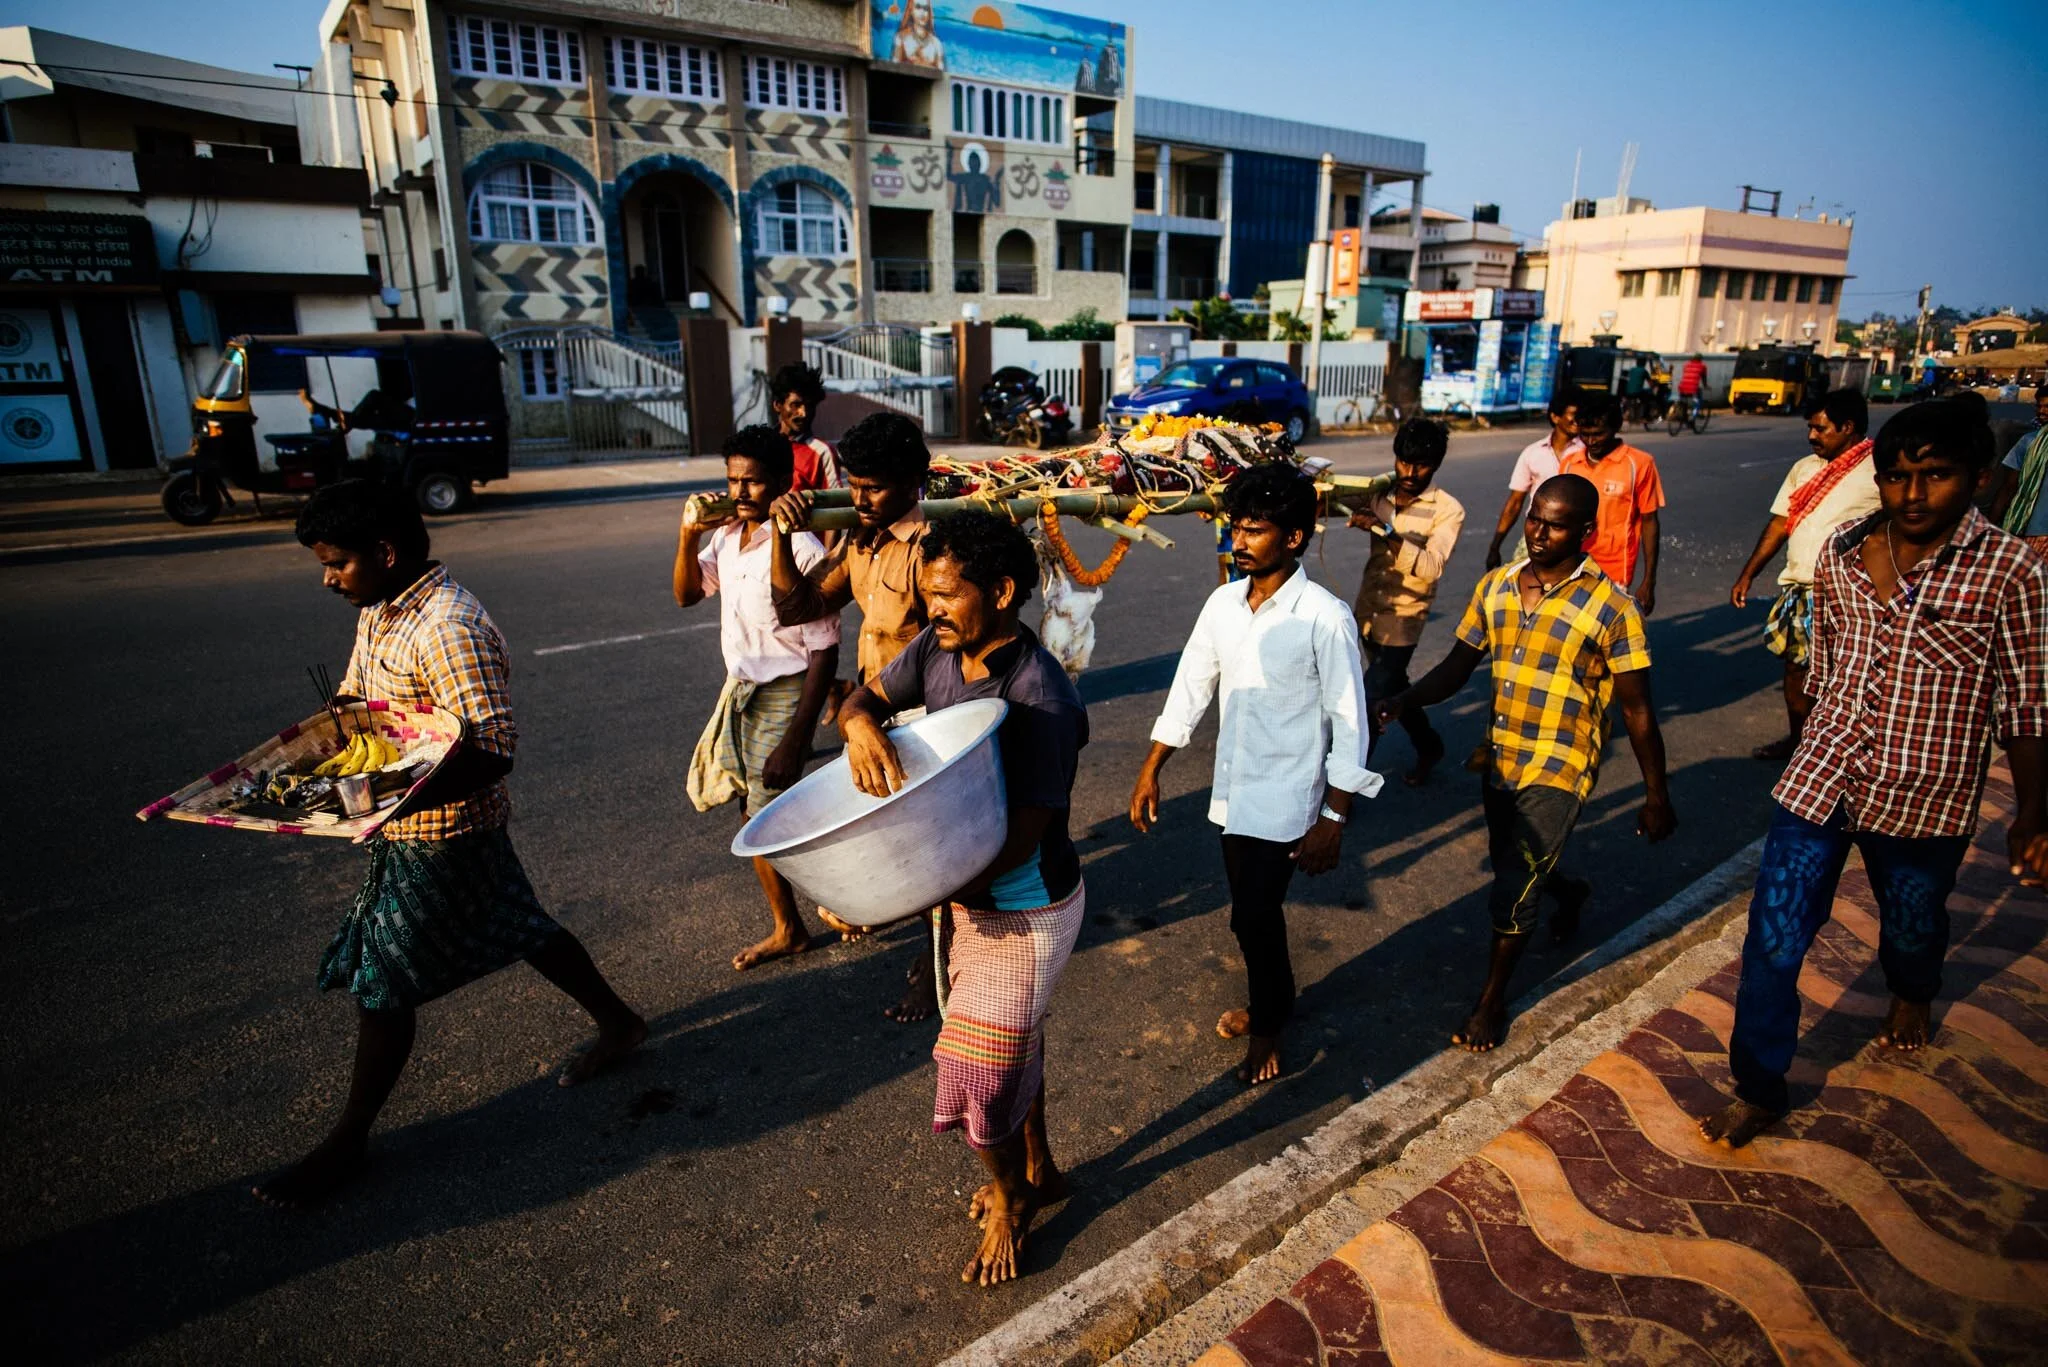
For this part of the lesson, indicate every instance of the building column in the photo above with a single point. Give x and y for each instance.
(863, 258)
(1162, 200)
(1415, 229)
(452, 202)
(736, 172)
(1223, 218)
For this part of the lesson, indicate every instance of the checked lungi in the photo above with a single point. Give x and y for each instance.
(748, 721)
(1788, 629)
(997, 971)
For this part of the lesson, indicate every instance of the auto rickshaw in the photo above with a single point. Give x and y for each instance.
(1601, 367)
(422, 410)
(1778, 379)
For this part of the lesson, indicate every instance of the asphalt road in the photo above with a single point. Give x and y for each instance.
(760, 1184)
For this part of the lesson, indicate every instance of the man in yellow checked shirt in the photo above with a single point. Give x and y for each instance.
(1564, 641)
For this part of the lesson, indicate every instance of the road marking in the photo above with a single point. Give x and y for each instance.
(1752, 464)
(624, 640)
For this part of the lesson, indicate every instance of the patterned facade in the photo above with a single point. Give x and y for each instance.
(561, 163)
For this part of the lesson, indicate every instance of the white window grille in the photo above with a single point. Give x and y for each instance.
(656, 68)
(994, 111)
(783, 83)
(801, 220)
(529, 202)
(521, 52)
(540, 374)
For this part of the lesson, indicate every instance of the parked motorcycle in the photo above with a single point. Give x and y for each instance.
(1015, 409)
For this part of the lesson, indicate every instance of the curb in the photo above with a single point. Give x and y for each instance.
(1115, 1303)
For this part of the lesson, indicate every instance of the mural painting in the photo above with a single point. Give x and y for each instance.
(1003, 42)
(977, 177)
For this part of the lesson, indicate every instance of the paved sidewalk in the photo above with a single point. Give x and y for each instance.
(1899, 1215)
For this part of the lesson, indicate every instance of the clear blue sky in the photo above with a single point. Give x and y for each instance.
(1928, 120)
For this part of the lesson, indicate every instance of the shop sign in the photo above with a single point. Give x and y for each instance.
(1521, 303)
(1344, 264)
(76, 249)
(1443, 306)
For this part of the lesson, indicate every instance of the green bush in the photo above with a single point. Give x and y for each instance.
(1033, 329)
(1084, 326)
(1217, 320)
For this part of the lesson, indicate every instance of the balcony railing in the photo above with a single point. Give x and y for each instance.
(967, 277)
(902, 275)
(1192, 286)
(1094, 161)
(1198, 206)
(883, 128)
(1016, 279)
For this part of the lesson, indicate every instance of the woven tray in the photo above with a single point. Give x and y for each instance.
(422, 731)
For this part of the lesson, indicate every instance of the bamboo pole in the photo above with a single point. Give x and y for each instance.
(832, 509)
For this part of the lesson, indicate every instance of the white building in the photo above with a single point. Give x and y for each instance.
(149, 209)
(1457, 253)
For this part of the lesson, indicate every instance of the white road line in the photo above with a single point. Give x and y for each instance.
(624, 640)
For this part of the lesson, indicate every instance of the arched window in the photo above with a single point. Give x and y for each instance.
(801, 220)
(529, 202)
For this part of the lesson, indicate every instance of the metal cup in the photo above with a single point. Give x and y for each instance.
(356, 797)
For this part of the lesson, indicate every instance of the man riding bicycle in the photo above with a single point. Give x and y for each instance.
(1692, 385)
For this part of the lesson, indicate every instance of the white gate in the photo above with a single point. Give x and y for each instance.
(590, 390)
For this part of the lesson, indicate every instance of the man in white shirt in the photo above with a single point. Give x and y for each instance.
(1834, 485)
(1290, 742)
(777, 677)
(1537, 462)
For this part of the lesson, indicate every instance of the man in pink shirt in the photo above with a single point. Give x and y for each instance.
(777, 677)
(1537, 463)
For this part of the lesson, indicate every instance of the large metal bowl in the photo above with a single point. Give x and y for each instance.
(873, 860)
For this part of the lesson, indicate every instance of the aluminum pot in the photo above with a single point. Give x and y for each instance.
(873, 860)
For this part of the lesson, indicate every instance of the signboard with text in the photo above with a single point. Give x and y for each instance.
(41, 250)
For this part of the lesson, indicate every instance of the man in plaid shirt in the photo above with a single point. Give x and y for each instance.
(446, 901)
(1927, 640)
(1564, 641)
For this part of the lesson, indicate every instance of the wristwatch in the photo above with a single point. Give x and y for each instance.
(1330, 813)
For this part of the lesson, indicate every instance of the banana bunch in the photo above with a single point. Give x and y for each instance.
(365, 752)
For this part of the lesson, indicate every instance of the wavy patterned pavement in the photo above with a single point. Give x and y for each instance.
(1899, 1215)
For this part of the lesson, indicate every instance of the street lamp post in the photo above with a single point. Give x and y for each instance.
(1770, 328)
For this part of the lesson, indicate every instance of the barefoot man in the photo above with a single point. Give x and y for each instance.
(1414, 529)
(1290, 741)
(1929, 627)
(777, 677)
(1006, 934)
(1836, 484)
(446, 901)
(1564, 642)
(876, 568)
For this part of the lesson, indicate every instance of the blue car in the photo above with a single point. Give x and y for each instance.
(1211, 385)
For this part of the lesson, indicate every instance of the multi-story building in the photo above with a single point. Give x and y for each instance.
(150, 209)
(1697, 279)
(606, 162)
(1457, 253)
(1226, 202)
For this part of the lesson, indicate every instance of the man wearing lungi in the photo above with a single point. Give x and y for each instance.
(759, 734)
(446, 901)
(1834, 485)
(1005, 935)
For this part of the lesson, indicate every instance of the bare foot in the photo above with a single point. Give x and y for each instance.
(1232, 1024)
(1002, 1242)
(608, 1048)
(1483, 1029)
(1049, 1191)
(848, 931)
(1905, 1028)
(920, 996)
(1261, 1060)
(1571, 894)
(1425, 761)
(1777, 752)
(313, 1178)
(1736, 1124)
(776, 946)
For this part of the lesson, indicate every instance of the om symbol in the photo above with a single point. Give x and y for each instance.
(1024, 179)
(927, 170)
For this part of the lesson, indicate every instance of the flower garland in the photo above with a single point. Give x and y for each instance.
(1049, 523)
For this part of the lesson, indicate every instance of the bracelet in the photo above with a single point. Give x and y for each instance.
(1329, 813)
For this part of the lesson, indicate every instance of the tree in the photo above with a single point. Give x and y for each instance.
(1216, 320)
(1292, 327)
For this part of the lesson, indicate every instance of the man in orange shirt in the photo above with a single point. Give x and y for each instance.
(1631, 492)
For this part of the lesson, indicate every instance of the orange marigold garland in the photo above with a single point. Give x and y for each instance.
(1049, 523)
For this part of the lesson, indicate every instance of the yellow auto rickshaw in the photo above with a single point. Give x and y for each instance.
(1778, 379)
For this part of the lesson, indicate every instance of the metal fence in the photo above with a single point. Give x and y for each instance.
(901, 367)
(585, 389)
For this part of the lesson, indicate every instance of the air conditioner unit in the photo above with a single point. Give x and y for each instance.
(232, 151)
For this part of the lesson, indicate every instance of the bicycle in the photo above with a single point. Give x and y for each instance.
(1688, 410)
(1363, 410)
